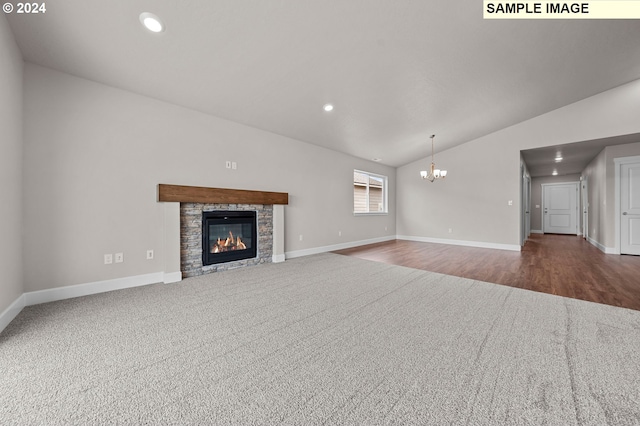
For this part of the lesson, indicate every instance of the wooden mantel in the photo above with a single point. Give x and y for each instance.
(198, 194)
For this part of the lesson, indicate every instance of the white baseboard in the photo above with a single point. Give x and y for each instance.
(602, 248)
(341, 246)
(537, 231)
(171, 277)
(277, 258)
(11, 312)
(510, 247)
(68, 292)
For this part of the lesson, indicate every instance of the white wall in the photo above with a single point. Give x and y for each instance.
(595, 175)
(94, 156)
(484, 174)
(600, 175)
(612, 152)
(11, 66)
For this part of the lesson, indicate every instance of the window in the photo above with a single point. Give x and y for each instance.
(369, 193)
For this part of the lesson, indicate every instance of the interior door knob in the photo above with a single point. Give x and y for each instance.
(624, 213)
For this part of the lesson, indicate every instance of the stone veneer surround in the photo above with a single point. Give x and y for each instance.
(191, 237)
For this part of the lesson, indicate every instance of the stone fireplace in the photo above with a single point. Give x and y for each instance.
(193, 248)
(227, 213)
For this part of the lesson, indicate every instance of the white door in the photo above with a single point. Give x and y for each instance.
(630, 208)
(560, 203)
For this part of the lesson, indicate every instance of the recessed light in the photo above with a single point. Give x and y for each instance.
(151, 22)
(558, 159)
(555, 173)
(376, 159)
(327, 107)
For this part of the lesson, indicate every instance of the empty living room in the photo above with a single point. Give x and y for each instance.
(319, 213)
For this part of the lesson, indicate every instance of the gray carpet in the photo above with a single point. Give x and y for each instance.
(324, 339)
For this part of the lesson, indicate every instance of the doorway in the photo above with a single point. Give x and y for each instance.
(526, 209)
(560, 208)
(585, 208)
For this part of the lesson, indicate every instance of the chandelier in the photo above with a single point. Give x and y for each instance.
(433, 173)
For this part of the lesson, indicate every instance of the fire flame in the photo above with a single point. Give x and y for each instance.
(228, 244)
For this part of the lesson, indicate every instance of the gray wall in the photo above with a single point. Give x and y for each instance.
(600, 175)
(94, 155)
(11, 65)
(484, 174)
(536, 197)
(595, 176)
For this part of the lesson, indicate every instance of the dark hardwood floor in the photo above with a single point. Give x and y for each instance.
(557, 264)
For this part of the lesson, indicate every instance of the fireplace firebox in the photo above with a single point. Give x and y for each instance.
(228, 236)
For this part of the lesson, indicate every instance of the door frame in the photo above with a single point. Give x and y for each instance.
(584, 204)
(525, 205)
(619, 161)
(577, 186)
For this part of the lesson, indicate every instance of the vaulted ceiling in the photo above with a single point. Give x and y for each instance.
(396, 72)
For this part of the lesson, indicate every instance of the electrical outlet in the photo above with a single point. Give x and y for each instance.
(119, 257)
(300, 237)
(108, 259)
(451, 230)
(149, 254)
(234, 165)
(228, 164)
(510, 202)
(339, 233)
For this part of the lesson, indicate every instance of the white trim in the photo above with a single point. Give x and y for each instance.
(627, 160)
(618, 162)
(11, 312)
(370, 213)
(277, 258)
(68, 292)
(537, 231)
(607, 250)
(497, 246)
(324, 249)
(584, 204)
(171, 277)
